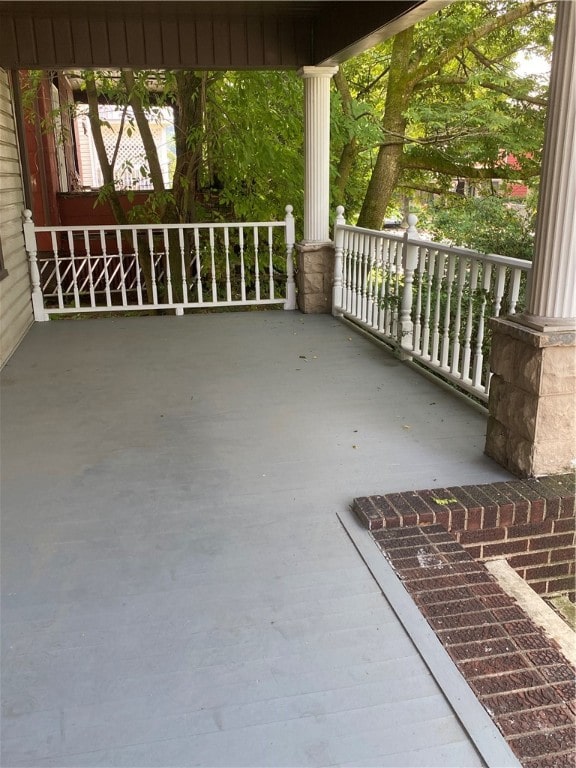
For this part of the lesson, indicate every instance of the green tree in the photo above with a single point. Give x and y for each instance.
(238, 141)
(446, 101)
(484, 224)
(255, 142)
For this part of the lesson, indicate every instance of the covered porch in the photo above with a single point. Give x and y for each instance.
(178, 589)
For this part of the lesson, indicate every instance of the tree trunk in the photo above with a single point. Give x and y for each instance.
(150, 149)
(388, 164)
(345, 166)
(106, 167)
(168, 209)
(349, 151)
(188, 129)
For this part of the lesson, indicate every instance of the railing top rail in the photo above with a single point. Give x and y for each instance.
(377, 232)
(494, 258)
(132, 227)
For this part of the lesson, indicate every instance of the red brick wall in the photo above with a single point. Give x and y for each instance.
(535, 536)
(530, 523)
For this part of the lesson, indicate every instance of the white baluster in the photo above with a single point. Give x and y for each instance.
(89, 267)
(168, 268)
(105, 260)
(421, 263)
(389, 287)
(462, 265)
(137, 267)
(477, 368)
(354, 273)
(371, 255)
(395, 265)
(338, 284)
(256, 263)
(364, 278)
(430, 272)
(393, 286)
(270, 263)
(153, 267)
(439, 278)
(358, 269)
(515, 278)
(83, 279)
(185, 298)
(347, 271)
(290, 241)
(377, 281)
(352, 268)
(40, 314)
(499, 289)
(466, 349)
(445, 345)
(382, 299)
(371, 250)
(121, 267)
(227, 255)
(409, 264)
(199, 288)
(213, 265)
(242, 273)
(73, 269)
(56, 254)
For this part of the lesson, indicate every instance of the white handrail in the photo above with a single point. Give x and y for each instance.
(133, 267)
(430, 301)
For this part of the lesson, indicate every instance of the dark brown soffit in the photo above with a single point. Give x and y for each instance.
(197, 35)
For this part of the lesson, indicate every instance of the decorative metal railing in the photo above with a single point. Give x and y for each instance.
(429, 301)
(121, 268)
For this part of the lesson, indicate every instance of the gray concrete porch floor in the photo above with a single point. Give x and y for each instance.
(177, 589)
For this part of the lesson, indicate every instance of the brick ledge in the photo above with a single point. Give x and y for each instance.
(528, 522)
(517, 672)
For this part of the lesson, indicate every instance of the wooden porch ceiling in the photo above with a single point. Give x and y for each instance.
(198, 35)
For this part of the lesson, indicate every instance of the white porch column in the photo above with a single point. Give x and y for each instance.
(315, 253)
(552, 299)
(532, 419)
(317, 152)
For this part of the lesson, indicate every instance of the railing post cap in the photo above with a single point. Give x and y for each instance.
(340, 210)
(412, 220)
(289, 209)
(27, 213)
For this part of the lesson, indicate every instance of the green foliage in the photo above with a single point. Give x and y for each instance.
(255, 143)
(488, 225)
(463, 103)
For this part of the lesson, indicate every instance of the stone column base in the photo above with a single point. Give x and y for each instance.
(532, 405)
(314, 277)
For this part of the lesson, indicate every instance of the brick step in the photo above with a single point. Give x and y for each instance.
(517, 672)
(530, 523)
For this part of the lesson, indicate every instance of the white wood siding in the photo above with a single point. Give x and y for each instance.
(15, 304)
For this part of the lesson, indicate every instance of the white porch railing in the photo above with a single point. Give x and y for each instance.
(428, 300)
(161, 266)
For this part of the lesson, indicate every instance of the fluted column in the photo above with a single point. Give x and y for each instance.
(532, 420)
(552, 299)
(317, 152)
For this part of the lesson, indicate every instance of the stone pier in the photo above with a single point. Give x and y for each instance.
(532, 422)
(314, 277)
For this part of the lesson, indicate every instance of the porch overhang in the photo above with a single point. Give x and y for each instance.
(198, 35)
